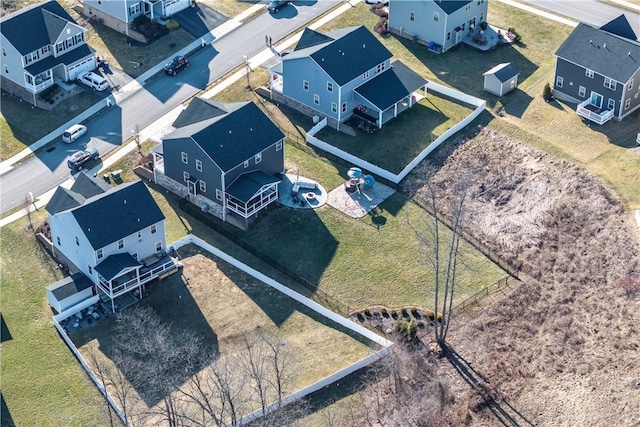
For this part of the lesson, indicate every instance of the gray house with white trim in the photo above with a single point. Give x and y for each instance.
(342, 73)
(438, 24)
(225, 158)
(599, 69)
(501, 79)
(114, 236)
(40, 44)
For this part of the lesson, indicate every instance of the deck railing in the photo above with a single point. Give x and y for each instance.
(599, 118)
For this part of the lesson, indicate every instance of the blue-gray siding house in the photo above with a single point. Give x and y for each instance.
(225, 158)
(343, 72)
(599, 69)
(438, 24)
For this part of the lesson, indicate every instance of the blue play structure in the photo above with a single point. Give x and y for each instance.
(357, 179)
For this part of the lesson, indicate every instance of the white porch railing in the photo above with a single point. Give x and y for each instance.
(246, 210)
(124, 287)
(599, 118)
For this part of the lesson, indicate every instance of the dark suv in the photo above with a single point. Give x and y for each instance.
(78, 160)
(275, 5)
(177, 63)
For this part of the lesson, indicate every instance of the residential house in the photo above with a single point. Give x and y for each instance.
(225, 158)
(438, 24)
(345, 72)
(114, 236)
(41, 44)
(501, 79)
(120, 14)
(599, 69)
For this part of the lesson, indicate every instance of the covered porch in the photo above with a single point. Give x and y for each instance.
(389, 94)
(590, 109)
(119, 274)
(251, 192)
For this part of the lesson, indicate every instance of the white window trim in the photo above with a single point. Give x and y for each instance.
(185, 158)
(627, 103)
(582, 91)
(316, 99)
(329, 87)
(199, 165)
(609, 83)
(257, 158)
(153, 228)
(158, 246)
(334, 107)
(412, 16)
(218, 194)
(99, 254)
(279, 145)
(123, 245)
(589, 73)
(185, 176)
(559, 81)
(436, 17)
(203, 186)
(246, 164)
(305, 85)
(610, 102)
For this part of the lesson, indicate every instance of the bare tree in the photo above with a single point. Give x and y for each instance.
(281, 364)
(254, 361)
(100, 369)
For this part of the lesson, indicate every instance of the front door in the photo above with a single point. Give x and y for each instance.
(596, 99)
(192, 187)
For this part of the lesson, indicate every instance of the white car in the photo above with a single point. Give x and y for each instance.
(73, 133)
(94, 81)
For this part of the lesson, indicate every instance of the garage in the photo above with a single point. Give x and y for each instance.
(75, 70)
(175, 6)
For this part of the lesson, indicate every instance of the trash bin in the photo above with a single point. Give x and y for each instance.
(105, 67)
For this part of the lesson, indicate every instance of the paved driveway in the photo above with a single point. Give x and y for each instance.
(199, 20)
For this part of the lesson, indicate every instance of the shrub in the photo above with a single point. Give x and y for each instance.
(172, 24)
(394, 314)
(367, 312)
(141, 19)
(407, 330)
(430, 314)
(414, 310)
(383, 311)
(546, 92)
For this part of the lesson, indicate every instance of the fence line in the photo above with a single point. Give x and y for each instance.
(495, 287)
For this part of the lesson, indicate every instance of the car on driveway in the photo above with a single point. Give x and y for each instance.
(73, 133)
(78, 160)
(94, 81)
(177, 63)
(275, 5)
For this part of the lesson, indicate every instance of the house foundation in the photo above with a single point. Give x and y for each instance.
(206, 205)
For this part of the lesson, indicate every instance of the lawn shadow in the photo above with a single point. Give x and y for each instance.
(515, 103)
(199, 19)
(5, 416)
(5, 335)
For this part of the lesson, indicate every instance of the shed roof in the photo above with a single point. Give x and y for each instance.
(114, 264)
(249, 185)
(503, 72)
(69, 286)
(391, 86)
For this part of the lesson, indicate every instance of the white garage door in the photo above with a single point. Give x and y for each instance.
(175, 6)
(77, 69)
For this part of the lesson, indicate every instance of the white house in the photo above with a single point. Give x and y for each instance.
(115, 236)
(40, 44)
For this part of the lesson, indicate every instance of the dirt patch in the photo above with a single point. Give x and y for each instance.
(562, 348)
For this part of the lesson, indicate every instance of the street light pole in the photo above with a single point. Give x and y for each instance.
(247, 71)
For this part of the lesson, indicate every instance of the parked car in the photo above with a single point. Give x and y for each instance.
(78, 160)
(73, 133)
(177, 63)
(275, 5)
(93, 80)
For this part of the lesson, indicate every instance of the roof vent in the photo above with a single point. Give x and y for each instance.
(364, 46)
(229, 131)
(604, 45)
(125, 201)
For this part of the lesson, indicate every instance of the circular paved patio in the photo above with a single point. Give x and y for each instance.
(309, 195)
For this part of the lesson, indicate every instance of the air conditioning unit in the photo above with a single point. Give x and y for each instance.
(316, 118)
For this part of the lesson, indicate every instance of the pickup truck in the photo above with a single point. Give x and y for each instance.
(78, 160)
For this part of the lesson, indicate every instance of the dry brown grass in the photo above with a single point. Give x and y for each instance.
(562, 347)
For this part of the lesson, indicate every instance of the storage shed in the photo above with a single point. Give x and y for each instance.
(501, 79)
(69, 291)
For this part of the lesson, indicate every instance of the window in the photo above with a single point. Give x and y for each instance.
(468, 6)
(257, 158)
(154, 229)
(134, 9)
(305, 84)
(135, 255)
(481, 16)
(99, 254)
(158, 246)
(609, 83)
(436, 16)
(279, 145)
(463, 26)
(316, 99)
(6, 69)
(246, 164)
(45, 49)
(611, 104)
(139, 235)
(344, 107)
(90, 270)
(30, 57)
(380, 68)
(59, 47)
(329, 87)
(58, 240)
(218, 194)
(185, 158)
(412, 16)
(120, 243)
(582, 91)
(365, 75)
(588, 73)
(79, 38)
(630, 85)
(449, 35)
(559, 81)
(198, 165)
(334, 107)
(4, 52)
(186, 176)
(77, 241)
(627, 103)
(203, 186)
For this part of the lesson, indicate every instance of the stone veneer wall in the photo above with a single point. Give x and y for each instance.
(304, 109)
(181, 190)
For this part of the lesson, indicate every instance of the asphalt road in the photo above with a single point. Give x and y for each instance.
(160, 95)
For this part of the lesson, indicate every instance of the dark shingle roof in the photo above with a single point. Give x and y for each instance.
(232, 138)
(117, 213)
(348, 53)
(114, 264)
(503, 72)
(88, 186)
(247, 185)
(450, 6)
(620, 27)
(63, 200)
(30, 29)
(200, 109)
(606, 54)
(391, 86)
(69, 286)
(310, 38)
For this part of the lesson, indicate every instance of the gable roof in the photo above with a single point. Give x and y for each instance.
(310, 38)
(199, 109)
(503, 72)
(112, 265)
(605, 53)
(345, 54)
(84, 187)
(450, 6)
(230, 139)
(88, 186)
(44, 22)
(620, 27)
(117, 213)
(69, 286)
(249, 185)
